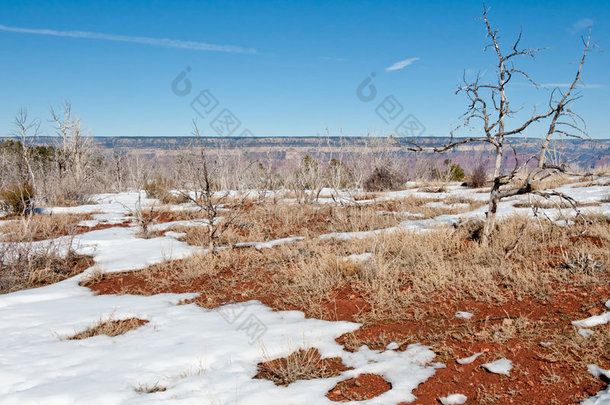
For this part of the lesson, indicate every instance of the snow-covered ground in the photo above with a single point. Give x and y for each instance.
(199, 355)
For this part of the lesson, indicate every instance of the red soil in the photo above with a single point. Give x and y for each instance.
(532, 379)
(346, 303)
(85, 229)
(365, 386)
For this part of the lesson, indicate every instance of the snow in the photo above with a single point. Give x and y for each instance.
(469, 360)
(463, 314)
(188, 222)
(546, 344)
(593, 321)
(602, 397)
(392, 346)
(444, 205)
(598, 372)
(42, 367)
(201, 355)
(119, 249)
(175, 235)
(270, 244)
(404, 370)
(359, 258)
(89, 223)
(453, 399)
(585, 333)
(501, 366)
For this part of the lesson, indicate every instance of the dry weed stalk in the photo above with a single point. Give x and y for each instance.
(109, 328)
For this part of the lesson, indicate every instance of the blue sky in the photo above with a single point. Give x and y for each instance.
(284, 68)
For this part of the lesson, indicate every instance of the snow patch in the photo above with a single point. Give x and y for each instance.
(502, 366)
(269, 244)
(453, 399)
(392, 346)
(585, 333)
(468, 360)
(463, 314)
(593, 321)
(359, 258)
(598, 372)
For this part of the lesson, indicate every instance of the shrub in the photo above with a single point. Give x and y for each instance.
(456, 173)
(159, 188)
(478, 177)
(25, 265)
(340, 175)
(17, 198)
(383, 179)
(447, 172)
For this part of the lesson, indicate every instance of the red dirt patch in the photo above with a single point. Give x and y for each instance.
(589, 239)
(512, 328)
(540, 374)
(365, 386)
(84, 229)
(346, 303)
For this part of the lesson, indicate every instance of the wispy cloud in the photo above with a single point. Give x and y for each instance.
(402, 64)
(333, 58)
(566, 85)
(167, 43)
(581, 24)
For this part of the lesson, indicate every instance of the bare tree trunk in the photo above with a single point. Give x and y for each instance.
(494, 198)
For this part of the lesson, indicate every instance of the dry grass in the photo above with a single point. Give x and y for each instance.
(23, 267)
(413, 281)
(300, 365)
(40, 227)
(264, 222)
(521, 290)
(406, 270)
(150, 389)
(418, 207)
(110, 328)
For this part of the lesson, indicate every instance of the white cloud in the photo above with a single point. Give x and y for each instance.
(167, 43)
(567, 85)
(581, 24)
(402, 64)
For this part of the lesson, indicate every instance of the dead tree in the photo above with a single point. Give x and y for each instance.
(219, 207)
(74, 153)
(489, 111)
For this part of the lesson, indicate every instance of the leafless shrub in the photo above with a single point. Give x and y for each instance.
(308, 180)
(23, 265)
(478, 177)
(383, 179)
(581, 263)
(76, 163)
(17, 198)
(201, 190)
(160, 188)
